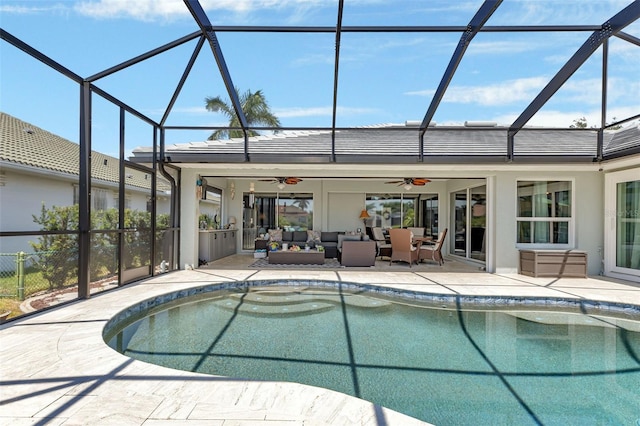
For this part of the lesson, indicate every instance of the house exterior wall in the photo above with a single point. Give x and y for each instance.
(588, 210)
(25, 192)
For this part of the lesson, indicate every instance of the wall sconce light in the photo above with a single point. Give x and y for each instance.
(232, 189)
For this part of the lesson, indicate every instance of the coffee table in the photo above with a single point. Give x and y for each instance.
(311, 257)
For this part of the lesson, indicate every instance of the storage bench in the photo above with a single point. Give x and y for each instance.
(553, 263)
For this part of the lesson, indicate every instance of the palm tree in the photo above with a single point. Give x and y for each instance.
(302, 203)
(255, 108)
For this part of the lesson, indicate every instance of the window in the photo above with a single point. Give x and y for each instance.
(98, 197)
(291, 212)
(392, 210)
(430, 214)
(544, 213)
(127, 201)
(211, 205)
(295, 212)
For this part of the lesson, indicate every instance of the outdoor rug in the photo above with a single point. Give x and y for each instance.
(264, 264)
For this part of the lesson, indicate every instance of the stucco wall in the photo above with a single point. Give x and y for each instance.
(588, 196)
(23, 195)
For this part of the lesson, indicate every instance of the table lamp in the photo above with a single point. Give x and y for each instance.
(364, 215)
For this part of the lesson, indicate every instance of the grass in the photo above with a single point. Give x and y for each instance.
(33, 283)
(10, 305)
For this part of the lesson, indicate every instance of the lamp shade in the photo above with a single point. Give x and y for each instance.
(232, 220)
(364, 215)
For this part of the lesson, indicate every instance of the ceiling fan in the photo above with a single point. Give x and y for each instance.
(282, 181)
(409, 182)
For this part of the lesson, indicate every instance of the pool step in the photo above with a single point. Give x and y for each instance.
(274, 302)
(271, 297)
(311, 307)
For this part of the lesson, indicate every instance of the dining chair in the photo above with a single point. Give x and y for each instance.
(402, 247)
(433, 251)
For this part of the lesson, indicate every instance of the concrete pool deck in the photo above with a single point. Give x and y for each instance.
(56, 369)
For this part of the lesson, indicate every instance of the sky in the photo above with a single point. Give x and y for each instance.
(384, 77)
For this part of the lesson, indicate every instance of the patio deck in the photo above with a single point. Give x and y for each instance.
(56, 369)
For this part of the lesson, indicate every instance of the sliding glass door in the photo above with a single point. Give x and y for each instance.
(622, 226)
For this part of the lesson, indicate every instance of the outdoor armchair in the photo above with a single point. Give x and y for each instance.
(402, 248)
(433, 251)
(382, 246)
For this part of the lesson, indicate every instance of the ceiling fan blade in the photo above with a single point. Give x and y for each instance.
(396, 181)
(292, 180)
(420, 181)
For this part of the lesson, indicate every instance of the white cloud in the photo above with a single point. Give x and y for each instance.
(314, 59)
(144, 10)
(494, 94)
(191, 110)
(150, 10)
(556, 118)
(320, 111)
(500, 47)
(33, 8)
(547, 12)
(583, 91)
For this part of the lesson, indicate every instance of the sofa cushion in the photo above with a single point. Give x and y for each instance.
(275, 235)
(313, 236)
(287, 236)
(299, 236)
(329, 237)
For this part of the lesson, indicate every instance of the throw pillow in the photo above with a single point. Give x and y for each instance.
(275, 235)
(313, 236)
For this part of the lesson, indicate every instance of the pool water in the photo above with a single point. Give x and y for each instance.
(443, 366)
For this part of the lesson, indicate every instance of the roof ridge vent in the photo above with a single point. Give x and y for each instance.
(480, 124)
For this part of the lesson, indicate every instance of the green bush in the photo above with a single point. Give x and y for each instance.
(58, 254)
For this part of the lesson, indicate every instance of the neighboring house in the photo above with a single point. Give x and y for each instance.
(553, 193)
(39, 168)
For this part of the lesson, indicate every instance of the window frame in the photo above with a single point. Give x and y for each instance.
(570, 220)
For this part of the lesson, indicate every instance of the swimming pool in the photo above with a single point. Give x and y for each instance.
(422, 355)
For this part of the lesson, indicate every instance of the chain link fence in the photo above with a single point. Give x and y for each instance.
(23, 274)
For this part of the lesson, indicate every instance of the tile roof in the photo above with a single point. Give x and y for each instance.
(29, 145)
(626, 138)
(394, 141)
